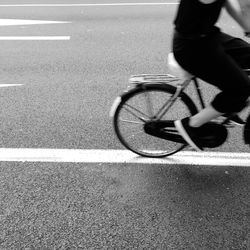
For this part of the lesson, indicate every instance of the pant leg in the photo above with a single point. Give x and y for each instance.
(209, 60)
(237, 48)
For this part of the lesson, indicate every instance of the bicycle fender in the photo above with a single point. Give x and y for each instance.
(114, 106)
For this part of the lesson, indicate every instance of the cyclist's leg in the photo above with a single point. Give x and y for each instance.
(205, 115)
(238, 49)
(209, 61)
(213, 64)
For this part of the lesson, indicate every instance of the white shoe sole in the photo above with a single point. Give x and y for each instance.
(186, 137)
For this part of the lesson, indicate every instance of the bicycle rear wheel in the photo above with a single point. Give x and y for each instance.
(138, 106)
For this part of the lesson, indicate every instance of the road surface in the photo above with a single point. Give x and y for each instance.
(62, 64)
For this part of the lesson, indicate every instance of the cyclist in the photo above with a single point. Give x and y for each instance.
(202, 49)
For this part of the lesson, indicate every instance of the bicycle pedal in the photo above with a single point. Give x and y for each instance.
(172, 130)
(229, 124)
(233, 120)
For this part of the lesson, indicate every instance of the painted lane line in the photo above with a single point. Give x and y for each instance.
(34, 38)
(122, 156)
(10, 85)
(86, 5)
(14, 22)
(11, 22)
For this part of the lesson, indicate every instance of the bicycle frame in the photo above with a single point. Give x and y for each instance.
(142, 81)
(151, 121)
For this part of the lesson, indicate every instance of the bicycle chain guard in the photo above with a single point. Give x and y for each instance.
(164, 130)
(213, 134)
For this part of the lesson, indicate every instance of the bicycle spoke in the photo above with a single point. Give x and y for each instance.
(134, 134)
(133, 122)
(149, 104)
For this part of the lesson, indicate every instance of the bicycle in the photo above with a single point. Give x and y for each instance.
(143, 115)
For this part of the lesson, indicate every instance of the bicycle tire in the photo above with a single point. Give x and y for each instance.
(246, 129)
(142, 143)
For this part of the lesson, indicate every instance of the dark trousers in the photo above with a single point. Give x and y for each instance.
(218, 59)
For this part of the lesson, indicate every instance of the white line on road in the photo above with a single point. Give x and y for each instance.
(34, 38)
(11, 22)
(122, 156)
(10, 85)
(85, 5)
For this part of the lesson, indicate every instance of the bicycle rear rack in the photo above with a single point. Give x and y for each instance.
(152, 78)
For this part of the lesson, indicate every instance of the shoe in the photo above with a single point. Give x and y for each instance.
(235, 119)
(190, 135)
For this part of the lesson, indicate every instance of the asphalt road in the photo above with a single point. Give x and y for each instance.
(67, 89)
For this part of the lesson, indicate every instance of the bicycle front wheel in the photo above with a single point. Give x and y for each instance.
(140, 105)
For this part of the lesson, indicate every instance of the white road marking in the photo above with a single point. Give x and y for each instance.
(34, 38)
(122, 156)
(10, 85)
(85, 5)
(11, 22)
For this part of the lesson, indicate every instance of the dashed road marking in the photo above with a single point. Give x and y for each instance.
(35, 38)
(10, 85)
(86, 5)
(15, 22)
(122, 156)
